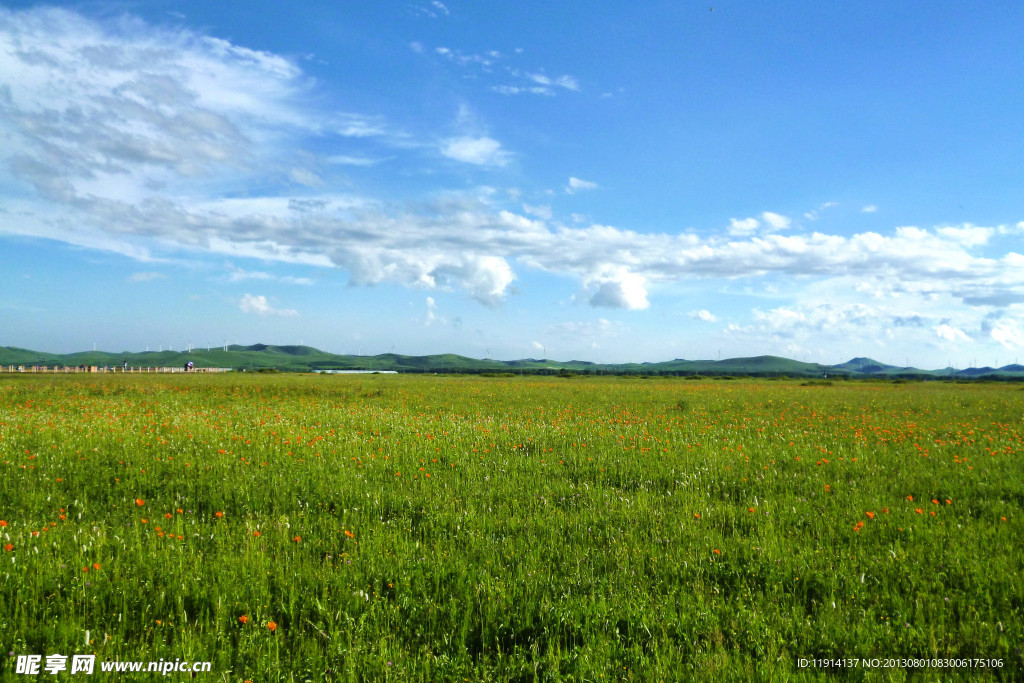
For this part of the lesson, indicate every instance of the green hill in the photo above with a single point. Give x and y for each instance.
(296, 358)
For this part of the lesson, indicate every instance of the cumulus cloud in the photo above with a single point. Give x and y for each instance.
(618, 288)
(1009, 332)
(482, 151)
(703, 315)
(127, 138)
(950, 333)
(776, 221)
(259, 305)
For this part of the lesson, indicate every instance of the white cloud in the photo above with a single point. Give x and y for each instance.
(482, 151)
(950, 333)
(259, 305)
(1008, 332)
(870, 208)
(541, 211)
(567, 82)
(744, 226)
(775, 220)
(967, 235)
(703, 315)
(305, 177)
(432, 316)
(127, 138)
(576, 184)
(618, 288)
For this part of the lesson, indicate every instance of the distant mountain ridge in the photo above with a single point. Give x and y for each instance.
(299, 358)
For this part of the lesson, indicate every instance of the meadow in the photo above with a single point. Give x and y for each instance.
(452, 528)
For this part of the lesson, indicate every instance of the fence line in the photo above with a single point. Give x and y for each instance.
(76, 369)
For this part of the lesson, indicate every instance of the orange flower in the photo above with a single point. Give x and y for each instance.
(349, 533)
(935, 501)
(716, 551)
(858, 526)
(696, 515)
(885, 510)
(10, 546)
(272, 626)
(256, 534)
(871, 515)
(140, 502)
(144, 520)
(167, 516)
(179, 511)
(949, 502)
(218, 514)
(96, 566)
(297, 539)
(932, 513)
(3, 522)
(910, 498)
(750, 509)
(919, 511)
(243, 619)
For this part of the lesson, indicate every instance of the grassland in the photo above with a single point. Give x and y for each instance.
(491, 529)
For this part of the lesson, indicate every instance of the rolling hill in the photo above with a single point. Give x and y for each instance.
(295, 358)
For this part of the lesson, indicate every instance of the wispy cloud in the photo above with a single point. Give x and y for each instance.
(576, 184)
(129, 139)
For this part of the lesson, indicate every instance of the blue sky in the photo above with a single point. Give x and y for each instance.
(613, 182)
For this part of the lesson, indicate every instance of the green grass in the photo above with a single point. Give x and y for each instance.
(511, 528)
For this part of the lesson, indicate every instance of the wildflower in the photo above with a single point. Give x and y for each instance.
(10, 546)
(750, 509)
(871, 515)
(716, 551)
(272, 626)
(218, 514)
(3, 522)
(349, 533)
(935, 501)
(949, 502)
(144, 520)
(140, 502)
(885, 510)
(297, 539)
(256, 534)
(243, 619)
(96, 566)
(910, 498)
(167, 516)
(696, 515)
(919, 511)
(858, 526)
